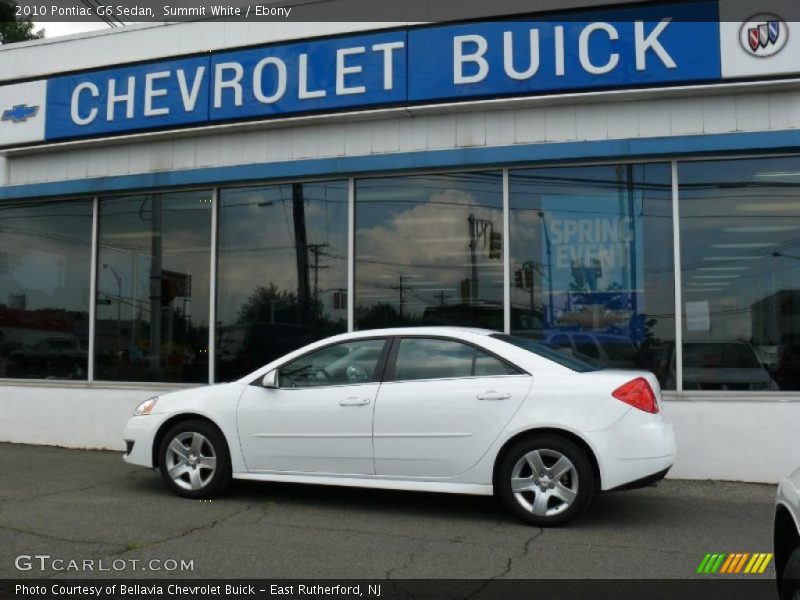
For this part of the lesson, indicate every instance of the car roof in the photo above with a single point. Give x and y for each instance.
(424, 330)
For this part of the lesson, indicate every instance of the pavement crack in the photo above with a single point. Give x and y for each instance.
(525, 549)
(509, 565)
(412, 557)
(453, 540)
(186, 532)
(132, 475)
(54, 538)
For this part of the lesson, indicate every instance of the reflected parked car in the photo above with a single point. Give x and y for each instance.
(613, 351)
(713, 366)
(787, 538)
(50, 357)
(437, 409)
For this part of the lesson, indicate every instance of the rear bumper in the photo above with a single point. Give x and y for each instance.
(643, 482)
(637, 450)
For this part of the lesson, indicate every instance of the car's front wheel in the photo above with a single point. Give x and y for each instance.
(545, 480)
(194, 460)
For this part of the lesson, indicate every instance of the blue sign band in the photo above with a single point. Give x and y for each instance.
(625, 47)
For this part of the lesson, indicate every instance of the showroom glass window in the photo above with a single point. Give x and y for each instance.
(740, 254)
(282, 271)
(45, 250)
(153, 290)
(591, 262)
(429, 250)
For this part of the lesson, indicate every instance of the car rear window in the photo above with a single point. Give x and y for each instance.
(548, 351)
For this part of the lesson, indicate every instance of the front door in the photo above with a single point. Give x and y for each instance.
(319, 419)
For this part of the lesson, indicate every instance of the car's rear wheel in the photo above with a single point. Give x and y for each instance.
(194, 460)
(790, 584)
(545, 480)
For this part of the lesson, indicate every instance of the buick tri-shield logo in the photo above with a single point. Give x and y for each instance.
(763, 35)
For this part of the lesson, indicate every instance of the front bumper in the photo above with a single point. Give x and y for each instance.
(139, 434)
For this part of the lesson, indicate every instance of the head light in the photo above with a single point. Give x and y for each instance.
(146, 407)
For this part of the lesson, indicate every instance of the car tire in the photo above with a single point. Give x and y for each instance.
(790, 583)
(545, 480)
(194, 460)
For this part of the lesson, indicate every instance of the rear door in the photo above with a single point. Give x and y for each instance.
(441, 405)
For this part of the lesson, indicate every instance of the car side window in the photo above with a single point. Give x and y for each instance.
(341, 364)
(487, 365)
(429, 358)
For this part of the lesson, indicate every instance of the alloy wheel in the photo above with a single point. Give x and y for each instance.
(544, 482)
(191, 460)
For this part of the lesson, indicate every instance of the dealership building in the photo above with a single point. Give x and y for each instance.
(182, 203)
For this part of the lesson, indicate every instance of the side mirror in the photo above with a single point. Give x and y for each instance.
(270, 380)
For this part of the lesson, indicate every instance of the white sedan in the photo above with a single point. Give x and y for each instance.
(787, 538)
(439, 409)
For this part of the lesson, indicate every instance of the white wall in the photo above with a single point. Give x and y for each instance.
(736, 441)
(72, 417)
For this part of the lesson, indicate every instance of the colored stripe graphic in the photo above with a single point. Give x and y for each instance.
(727, 564)
(740, 564)
(703, 563)
(711, 563)
(733, 563)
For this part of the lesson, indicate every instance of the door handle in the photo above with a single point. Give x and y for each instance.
(353, 401)
(493, 395)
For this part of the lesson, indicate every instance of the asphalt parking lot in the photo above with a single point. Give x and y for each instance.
(76, 505)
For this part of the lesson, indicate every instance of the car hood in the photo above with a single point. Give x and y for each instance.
(197, 396)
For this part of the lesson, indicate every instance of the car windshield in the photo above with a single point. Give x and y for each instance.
(550, 352)
(718, 356)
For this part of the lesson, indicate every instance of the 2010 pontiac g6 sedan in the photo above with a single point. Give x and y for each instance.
(437, 409)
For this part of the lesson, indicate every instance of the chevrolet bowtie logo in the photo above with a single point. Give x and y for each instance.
(20, 113)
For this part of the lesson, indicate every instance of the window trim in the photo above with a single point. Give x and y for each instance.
(377, 372)
(390, 373)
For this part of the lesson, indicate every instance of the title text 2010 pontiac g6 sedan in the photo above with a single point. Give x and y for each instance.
(436, 409)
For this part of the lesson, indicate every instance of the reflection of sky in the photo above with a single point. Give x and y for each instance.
(45, 252)
(125, 237)
(734, 216)
(257, 243)
(417, 228)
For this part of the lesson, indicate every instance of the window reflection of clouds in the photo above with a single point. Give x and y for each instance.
(261, 310)
(413, 258)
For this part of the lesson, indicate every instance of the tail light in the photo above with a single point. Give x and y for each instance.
(638, 394)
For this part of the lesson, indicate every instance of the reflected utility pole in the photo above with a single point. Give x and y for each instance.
(478, 228)
(301, 253)
(118, 277)
(401, 289)
(155, 283)
(550, 319)
(316, 252)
